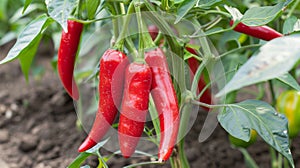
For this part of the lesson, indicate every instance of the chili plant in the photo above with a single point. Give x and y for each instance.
(159, 60)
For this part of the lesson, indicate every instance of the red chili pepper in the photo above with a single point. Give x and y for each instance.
(134, 106)
(112, 69)
(66, 57)
(194, 64)
(165, 100)
(261, 32)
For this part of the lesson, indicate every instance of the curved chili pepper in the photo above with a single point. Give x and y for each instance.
(194, 64)
(112, 69)
(165, 100)
(134, 106)
(261, 32)
(66, 57)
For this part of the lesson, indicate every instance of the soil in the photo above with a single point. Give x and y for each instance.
(38, 127)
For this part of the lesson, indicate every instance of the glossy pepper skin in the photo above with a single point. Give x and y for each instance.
(261, 32)
(134, 107)
(288, 103)
(66, 57)
(194, 64)
(165, 100)
(111, 80)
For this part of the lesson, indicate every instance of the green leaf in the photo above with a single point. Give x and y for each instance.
(288, 26)
(82, 156)
(91, 7)
(60, 10)
(289, 80)
(79, 159)
(238, 120)
(258, 16)
(28, 38)
(27, 57)
(26, 4)
(184, 8)
(275, 58)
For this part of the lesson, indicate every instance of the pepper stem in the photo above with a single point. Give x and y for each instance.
(120, 41)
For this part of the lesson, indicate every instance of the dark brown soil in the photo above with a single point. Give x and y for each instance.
(38, 127)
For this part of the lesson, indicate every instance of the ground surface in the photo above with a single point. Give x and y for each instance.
(38, 127)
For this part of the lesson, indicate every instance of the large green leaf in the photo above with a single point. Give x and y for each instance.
(258, 16)
(28, 38)
(184, 8)
(238, 120)
(60, 10)
(275, 58)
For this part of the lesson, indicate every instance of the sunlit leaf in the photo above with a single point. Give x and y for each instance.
(275, 58)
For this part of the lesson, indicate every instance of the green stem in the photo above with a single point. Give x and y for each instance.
(272, 92)
(197, 76)
(237, 49)
(248, 159)
(184, 121)
(213, 23)
(157, 40)
(120, 40)
(285, 163)
(293, 8)
(165, 5)
(217, 12)
(261, 91)
(209, 34)
(195, 102)
(203, 41)
(279, 161)
(273, 158)
(95, 20)
(140, 29)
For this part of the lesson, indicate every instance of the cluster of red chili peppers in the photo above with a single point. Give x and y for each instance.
(128, 85)
(138, 80)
